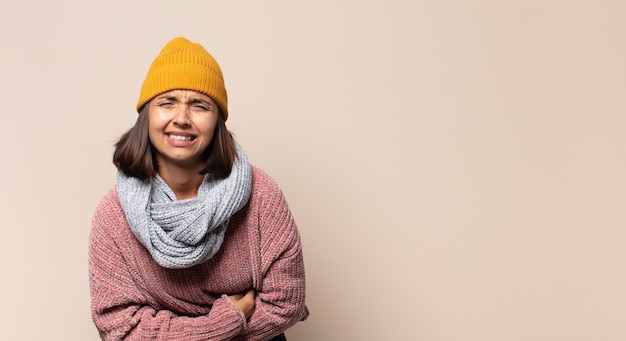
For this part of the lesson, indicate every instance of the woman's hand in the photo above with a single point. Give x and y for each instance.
(244, 302)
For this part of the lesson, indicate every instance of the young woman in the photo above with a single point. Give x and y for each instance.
(192, 243)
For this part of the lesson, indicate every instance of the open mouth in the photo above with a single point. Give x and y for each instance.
(181, 137)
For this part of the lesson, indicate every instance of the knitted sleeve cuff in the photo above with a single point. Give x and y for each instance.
(226, 303)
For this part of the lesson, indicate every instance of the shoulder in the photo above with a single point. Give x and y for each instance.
(263, 182)
(109, 200)
(108, 209)
(277, 229)
(266, 194)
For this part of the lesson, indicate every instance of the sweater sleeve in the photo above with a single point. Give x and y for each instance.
(280, 301)
(119, 309)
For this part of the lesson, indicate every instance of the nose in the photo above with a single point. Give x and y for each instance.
(182, 116)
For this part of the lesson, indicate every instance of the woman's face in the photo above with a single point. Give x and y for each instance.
(181, 126)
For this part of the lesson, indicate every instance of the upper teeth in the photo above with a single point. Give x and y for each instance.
(180, 138)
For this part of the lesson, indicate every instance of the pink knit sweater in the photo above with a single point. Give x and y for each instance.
(133, 298)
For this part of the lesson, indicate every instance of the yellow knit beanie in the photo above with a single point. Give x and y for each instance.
(183, 65)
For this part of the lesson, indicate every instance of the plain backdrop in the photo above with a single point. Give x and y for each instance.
(457, 169)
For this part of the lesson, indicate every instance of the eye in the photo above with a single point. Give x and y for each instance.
(165, 104)
(202, 107)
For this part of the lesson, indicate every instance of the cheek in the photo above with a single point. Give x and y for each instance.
(155, 130)
(157, 122)
(152, 131)
(208, 128)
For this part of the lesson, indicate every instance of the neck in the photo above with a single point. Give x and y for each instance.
(183, 181)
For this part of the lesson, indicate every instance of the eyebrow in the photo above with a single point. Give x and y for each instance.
(198, 100)
(191, 101)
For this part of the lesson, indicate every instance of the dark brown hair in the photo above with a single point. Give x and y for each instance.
(135, 156)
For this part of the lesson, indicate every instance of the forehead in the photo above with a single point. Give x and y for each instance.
(184, 95)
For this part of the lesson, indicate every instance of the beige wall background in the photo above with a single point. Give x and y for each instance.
(457, 168)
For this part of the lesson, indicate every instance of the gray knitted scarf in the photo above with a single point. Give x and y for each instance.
(182, 233)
